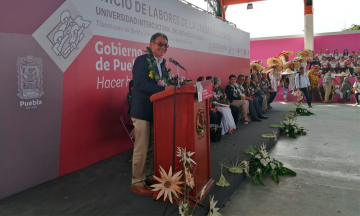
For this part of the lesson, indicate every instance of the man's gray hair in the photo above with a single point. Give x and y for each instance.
(216, 80)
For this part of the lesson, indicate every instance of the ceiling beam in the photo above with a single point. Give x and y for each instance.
(235, 2)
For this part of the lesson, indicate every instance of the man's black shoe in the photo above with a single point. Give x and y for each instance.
(256, 120)
(262, 117)
(270, 107)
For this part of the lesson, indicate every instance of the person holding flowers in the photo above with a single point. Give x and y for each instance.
(150, 76)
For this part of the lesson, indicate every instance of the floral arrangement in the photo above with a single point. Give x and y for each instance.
(175, 185)
(289, 127)
(249, 90)
(262, 163)
(166, 80)
(299, 109)
(218, 95)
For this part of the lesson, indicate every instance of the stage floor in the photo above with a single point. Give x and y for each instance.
(104, 188)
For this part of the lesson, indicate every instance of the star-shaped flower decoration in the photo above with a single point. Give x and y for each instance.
(168, 184)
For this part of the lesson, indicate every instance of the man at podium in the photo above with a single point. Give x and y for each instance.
(149, 77)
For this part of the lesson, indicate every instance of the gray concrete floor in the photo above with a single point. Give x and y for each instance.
(327, 162)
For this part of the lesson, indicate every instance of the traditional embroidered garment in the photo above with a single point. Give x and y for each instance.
(350, 62)
(342, 64)
(274, 78)
(333, 64)
(324, 64)
(336, 56)
(292, 82)
(319, 56)
(314, 78)
(227, 121)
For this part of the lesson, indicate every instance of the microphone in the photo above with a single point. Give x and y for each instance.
(176, 63)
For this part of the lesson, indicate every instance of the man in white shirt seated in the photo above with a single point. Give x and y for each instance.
(328, 80)
(302, 82)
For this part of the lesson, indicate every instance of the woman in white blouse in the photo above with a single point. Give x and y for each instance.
(334, 65)
(346, 54)
(327, 54)
(319, 55)
(336, 55)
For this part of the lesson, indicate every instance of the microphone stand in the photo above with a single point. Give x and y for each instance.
(177, 85)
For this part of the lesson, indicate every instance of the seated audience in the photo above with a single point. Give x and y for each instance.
(254, 106)
(200, 79)
(266, 86)
(220, 101)
(336, 55)
(350, 65)
(346, 87)
(357, 90)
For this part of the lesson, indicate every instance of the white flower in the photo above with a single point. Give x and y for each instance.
(258, 170)
(271, 159)
(267, 160)
(287, 131)
(258, 156)
(287, 134)
(272, 165)
(264, 154)
(263, 162)
(185, 156)
(295, 131)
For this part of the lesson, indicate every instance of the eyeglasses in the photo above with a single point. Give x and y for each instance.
(161, 45)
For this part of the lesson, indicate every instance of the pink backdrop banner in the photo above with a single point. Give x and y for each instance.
(264, 49)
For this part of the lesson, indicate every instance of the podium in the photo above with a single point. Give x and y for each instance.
(192, 133)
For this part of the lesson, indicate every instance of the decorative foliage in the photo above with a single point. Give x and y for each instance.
(262, 163)
(299, 109)
(152, 66)
(213, 210)
(290, 127)
(236, 167)
(169, 185)
(273, 135)
(222, 181)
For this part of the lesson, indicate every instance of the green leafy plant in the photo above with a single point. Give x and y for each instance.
(262, 163)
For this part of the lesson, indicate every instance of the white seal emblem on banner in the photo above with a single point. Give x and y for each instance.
(30, 79)
(67, 34)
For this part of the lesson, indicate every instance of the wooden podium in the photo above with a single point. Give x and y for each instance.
(190, 116)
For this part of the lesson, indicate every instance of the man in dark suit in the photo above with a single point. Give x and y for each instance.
(141, 112)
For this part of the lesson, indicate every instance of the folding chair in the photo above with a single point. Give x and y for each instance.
(127, 123)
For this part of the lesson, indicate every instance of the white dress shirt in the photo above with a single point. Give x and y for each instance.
(158, 63)
(304, 81)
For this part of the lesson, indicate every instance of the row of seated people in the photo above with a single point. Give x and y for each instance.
(319, 55)
(342, 65)
(244, 96)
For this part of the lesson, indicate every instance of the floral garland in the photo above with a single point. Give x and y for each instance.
(234, 90)
(152, 64)
(262, 163)
(218, 94)
(249, 90)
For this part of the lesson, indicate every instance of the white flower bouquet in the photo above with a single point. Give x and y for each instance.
(262, 163)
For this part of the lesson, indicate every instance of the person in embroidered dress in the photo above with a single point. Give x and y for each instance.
(357, 90)
(342, 64)
(346, 87)
(220, 101)
(350, 65)
(235, 99)
(334, 65)
(266, 86)
(345, 54)
(314, 76)
(324, 65)
(336, 55)
(254, 107)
